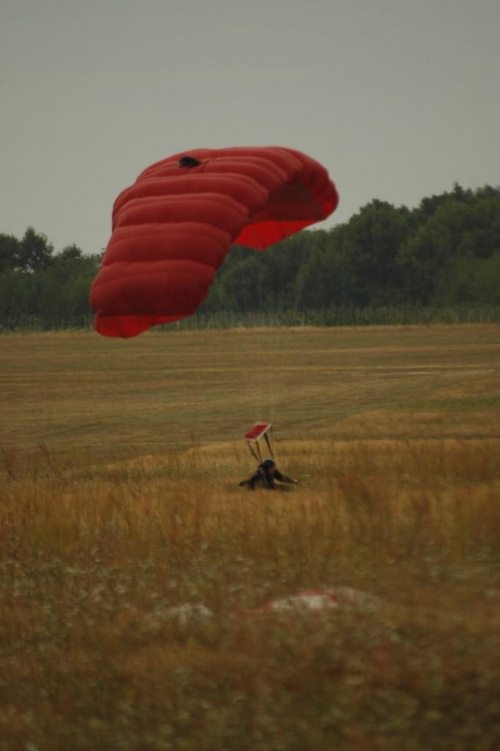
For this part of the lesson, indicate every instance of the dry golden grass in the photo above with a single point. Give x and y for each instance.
(133, 570)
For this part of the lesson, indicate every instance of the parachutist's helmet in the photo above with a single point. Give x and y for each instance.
(268, 464)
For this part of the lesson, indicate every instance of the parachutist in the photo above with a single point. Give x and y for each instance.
(269, 477)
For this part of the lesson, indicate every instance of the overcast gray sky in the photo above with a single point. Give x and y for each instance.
(397, 98)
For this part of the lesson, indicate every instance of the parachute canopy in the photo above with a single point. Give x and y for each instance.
(174, 226)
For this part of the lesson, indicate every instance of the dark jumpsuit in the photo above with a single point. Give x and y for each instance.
(263, 478)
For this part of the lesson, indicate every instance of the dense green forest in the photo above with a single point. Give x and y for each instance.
(444, 253)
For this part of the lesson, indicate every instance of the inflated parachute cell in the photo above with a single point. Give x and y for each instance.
(174, 226)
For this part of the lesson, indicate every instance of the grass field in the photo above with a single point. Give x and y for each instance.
(136, 577)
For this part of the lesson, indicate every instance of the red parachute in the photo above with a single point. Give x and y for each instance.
(174, 226)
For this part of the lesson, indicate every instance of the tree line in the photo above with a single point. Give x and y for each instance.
(445, 252)
(37, 283)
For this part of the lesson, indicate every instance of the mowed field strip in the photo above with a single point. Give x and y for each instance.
(175, 389)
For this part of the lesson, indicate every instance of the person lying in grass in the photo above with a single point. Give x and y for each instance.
(269, 477)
